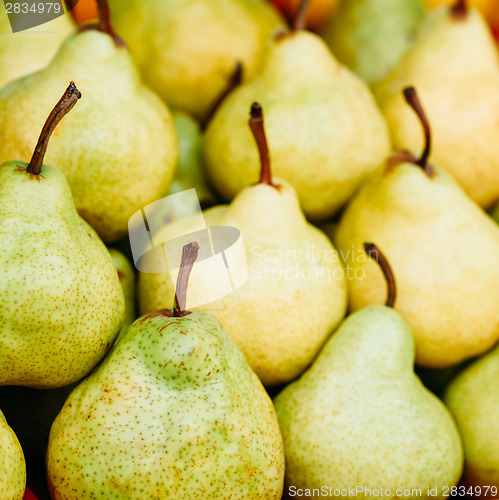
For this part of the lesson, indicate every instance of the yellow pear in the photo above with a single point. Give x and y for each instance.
(454, 65)
(25, 52)
(12, 464)
(443, 249)
(295, 293)
(187, 49)
(118, 150)
(359, 419)
(326, 132)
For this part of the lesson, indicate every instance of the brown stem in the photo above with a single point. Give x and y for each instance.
(412, 99)
(104, 24)
(374, 252)
(459, 10)
(256, 125)
(301, 16)
(189, 256)
(235, 80)
(64, 106)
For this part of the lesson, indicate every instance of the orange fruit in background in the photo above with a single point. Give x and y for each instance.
(84, 10)
(489, 8)
(318, 12)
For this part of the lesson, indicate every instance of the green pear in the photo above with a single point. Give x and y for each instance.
(62, 305)
(295, 293)
(359, 416)
(174, 412)
(187, 49)
(473, 399)
(25, 52)
(495, 213)
(443, 249)
(454, 65)
(371, 36)
(126, 275)
(119, 148)
(326, 133)
(12, 464)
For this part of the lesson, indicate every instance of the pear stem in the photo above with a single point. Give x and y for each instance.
(374, 252)
(235, 80)
(258, 129)
(412, 99)
(105, 22)
(189, 256)
(301, 16)
(62, 108)
(459, 10)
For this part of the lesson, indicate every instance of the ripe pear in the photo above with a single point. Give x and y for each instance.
(12, 464)
(473, 399)
(174, 411)
(326, 132)
(443, 249)
(25, 52)
(62, 305)
(295, 294)
(186, 49)
(126, 275)
(359, 416)
(454, 65)
(119, 148)
(371, 36)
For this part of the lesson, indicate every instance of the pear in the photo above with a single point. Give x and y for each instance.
(25, 52)
(119, 148)
(12, 464)
(360, 418)
(62, 304)
(473, 399)
(295, 294)
(326, 132)
(186, 49)
(442, 247)
(126, 275)
(173, 412)
(454, 65)
(371, 36)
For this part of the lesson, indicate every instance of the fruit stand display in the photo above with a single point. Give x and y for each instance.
(249, 249)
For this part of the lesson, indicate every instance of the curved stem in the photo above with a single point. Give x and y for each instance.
(189, 256)
(256, 125)
(459, 10)
(62, 108)
(412, 99)
(235, 80)
(301, 16)
(105, 22)
(374, 252)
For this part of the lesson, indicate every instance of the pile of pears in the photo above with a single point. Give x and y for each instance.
(358, 167)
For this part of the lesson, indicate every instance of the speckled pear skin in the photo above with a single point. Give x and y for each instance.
(324, 130)
(473, 399)
(296, 292)
(126, 275)
(173, 412)
(31, 50)
(61, 303)
(454, 66)
(12, 464)
(118, 148)
(360, 416)
(443, 251)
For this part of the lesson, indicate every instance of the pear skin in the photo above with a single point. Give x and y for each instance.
(360, 417)
(325, 132)
(174, 411)
(12, 464)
